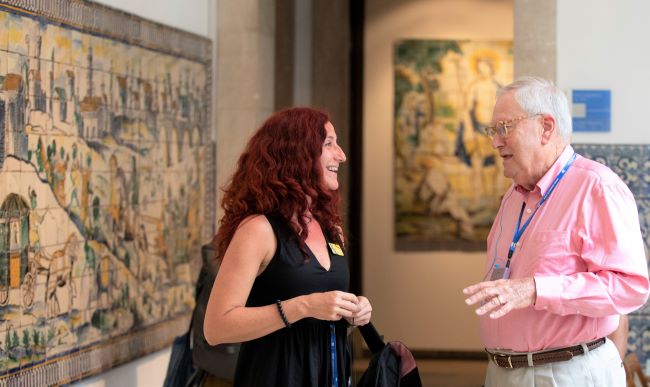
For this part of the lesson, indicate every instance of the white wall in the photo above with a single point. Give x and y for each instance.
(603, 45)
(147, 371)
(188, 15)
(195, 16)
(417, 297)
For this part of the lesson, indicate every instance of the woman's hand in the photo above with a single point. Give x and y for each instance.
(331, 306)
(363, 313)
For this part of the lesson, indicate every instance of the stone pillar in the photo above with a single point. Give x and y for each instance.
(330, 63)
(244, 80)
(284, 52)
(331, 91)
(535, 50)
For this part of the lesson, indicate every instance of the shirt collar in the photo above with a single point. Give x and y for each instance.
(545, 182)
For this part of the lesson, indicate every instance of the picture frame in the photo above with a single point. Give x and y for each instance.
(448, 180)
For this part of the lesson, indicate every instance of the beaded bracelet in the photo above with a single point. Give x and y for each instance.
(284, 316)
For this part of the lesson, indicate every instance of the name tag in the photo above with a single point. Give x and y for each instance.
(497, 273)
(336, 249)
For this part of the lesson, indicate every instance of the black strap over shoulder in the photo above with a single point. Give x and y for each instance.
(218, 360)
(372, 337)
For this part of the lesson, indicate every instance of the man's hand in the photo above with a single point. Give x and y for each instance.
(501, 296)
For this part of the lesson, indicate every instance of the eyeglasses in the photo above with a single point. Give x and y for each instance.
(502, 128)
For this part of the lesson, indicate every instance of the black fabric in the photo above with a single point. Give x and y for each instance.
(383, 370)
(412, 379)
(298, 356)
(391, 365)
(372, 337)
(218, 360)
(180, 368)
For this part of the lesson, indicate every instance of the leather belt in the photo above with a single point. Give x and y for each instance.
(539, 358)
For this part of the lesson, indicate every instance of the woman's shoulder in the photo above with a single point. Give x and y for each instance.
(254, 234)
(263, 225)
(255, 224)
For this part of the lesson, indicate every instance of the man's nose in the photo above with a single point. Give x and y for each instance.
(497, 141)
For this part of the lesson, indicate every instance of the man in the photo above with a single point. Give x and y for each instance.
(565, 253)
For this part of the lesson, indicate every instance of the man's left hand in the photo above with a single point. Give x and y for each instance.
(501, 296)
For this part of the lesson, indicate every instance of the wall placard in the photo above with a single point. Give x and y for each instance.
(591, 110)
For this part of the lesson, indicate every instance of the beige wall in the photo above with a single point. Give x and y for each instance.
(417, 297)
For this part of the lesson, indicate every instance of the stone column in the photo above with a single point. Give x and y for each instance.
(535, 50)
(244, 81)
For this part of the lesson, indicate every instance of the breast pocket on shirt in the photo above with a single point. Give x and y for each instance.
(550, 252)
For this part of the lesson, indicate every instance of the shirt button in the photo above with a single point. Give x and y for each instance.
(529, 210)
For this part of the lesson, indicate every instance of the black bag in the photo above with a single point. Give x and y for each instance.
(218, 360)
(391, 364)
(180, 368)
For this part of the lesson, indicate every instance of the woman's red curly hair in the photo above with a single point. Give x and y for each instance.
(277, 173)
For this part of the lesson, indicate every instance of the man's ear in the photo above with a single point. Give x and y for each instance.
(549, 128)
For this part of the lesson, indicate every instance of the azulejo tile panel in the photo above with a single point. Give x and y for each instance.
(106, 186)
(632, 164)
(447, 181)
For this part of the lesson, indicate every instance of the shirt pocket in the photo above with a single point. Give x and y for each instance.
(551, 252)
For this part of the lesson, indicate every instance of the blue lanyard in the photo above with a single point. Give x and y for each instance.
(519, 231)
(335, 371)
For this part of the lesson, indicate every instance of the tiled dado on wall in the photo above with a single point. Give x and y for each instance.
(632, 164)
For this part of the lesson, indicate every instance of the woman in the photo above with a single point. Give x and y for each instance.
(282, 285)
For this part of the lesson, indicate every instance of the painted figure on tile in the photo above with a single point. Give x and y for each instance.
(60, 289)
(446, 181)
(474, 146)
(35, 219)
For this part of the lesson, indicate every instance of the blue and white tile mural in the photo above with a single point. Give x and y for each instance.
(106, 186)
(632, 164)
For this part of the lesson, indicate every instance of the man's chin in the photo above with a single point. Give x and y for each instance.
(507, 174)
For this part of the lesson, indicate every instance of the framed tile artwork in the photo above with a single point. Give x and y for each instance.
(106, 186)
(448, 180)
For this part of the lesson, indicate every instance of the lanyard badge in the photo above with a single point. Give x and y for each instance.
(504, 273)
(497, 273)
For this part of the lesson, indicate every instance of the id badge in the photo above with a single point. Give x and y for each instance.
(336, 249)
(497, 273)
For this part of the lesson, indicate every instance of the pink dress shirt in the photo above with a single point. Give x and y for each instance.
(584, 249)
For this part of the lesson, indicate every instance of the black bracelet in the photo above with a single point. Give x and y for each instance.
(278, 303)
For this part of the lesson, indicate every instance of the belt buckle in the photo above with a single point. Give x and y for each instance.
(508, 357)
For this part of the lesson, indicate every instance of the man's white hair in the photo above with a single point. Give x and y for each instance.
(537, 95)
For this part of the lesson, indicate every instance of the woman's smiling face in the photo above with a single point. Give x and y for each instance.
(331, 157)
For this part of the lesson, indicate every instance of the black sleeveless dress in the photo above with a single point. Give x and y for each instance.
(298, 356)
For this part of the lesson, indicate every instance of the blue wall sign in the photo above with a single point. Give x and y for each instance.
(592, 110)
